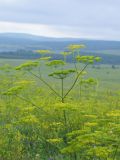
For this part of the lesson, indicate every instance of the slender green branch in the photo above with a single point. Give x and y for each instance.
(41, 79)
(74, 61)
(62, 93)
(29, 101)
(39, 70)
(75, 80)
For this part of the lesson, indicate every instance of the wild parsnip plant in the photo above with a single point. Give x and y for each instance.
(60, 68)
(36, 124)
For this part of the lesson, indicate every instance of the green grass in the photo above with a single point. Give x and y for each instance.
(35, 125)
(107, 77)
(110, 52)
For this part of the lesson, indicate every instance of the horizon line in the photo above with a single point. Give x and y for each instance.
(57, 37)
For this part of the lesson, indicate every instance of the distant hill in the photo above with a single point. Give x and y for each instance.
(14, 44)
(23, 37)
(24, 40)
(27, 39)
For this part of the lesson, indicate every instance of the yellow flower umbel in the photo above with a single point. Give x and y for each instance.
(44, 51)
(114, 113)
(55, 140)
(91, 124)
(30, 119)
(74, 47)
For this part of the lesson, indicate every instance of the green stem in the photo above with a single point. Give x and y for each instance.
(80, 89)
(29, 101)
(65, 118)
(75, 80)
(74, 61)
(41, 79)
(62, 89)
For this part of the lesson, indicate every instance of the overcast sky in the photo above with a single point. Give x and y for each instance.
(96, 19)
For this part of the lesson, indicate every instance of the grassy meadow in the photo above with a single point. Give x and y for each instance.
(38, 122)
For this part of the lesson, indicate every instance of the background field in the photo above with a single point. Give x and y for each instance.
(108, 77)
(35, 125)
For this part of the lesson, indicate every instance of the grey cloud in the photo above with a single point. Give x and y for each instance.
(72, 12)
(99, 15)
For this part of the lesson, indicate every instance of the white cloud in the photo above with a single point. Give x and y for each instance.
(60, 31)
(36, 29)
(67, 18)
(7, 1)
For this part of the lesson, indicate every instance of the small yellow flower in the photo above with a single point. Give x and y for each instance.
(28, 109)
(114, 113)
(45, 51)
(90, 116)
(31, 119)
(55, 140)
(91, 124)
(75, 46)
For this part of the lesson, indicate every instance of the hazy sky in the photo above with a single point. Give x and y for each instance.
(97, 19)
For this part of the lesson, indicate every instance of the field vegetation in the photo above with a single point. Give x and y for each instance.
(56, 110)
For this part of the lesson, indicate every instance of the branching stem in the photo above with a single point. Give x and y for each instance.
(75, 80)
(41, 79)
